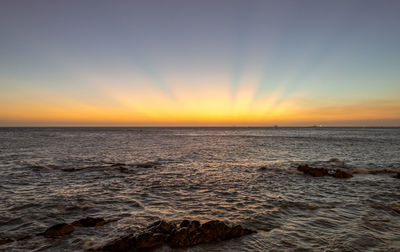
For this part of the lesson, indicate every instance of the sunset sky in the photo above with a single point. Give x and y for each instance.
(199, 63)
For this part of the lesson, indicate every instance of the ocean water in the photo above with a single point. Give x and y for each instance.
(242, 175)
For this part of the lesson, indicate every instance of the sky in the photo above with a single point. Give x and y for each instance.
(199, 63)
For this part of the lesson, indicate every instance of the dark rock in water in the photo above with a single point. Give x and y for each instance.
(341, 174)
(141, 241)
(195, 224)
(117, 164)
(149, 240)
(215, 231)
(185, 223)
(65, 228)
(314, 172)
(5, 240)
(27, 237)
(238, 231)
(212, 231)
(58, 230)
(123, 169)
(179, 238)
(161, 227)
(397, 175)
(89, 222)
(320, 172)
(145, 165)
(396, 209)
(71, 169)
(125, 243)
(189, 233)
(262, 168)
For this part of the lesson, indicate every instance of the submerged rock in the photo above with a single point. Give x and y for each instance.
(71, 169)
(58, 230)
(397, 175)
(5, 240)
(187, 234)
(66, 228)
(396, 209)
(117, 165)
(314, 172)
(135, 242)
(161, 226)
(89, 222)
(262, 168)
(320, 172)
(125, 243)
(360, 171)
(147, 165)
(24, 238)
(341, 174)
(149, 240)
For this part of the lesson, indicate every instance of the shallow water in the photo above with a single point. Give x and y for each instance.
(242, 175)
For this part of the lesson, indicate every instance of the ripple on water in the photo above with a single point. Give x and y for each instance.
(138, 176)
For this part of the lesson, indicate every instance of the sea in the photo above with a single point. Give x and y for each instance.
(241, 175)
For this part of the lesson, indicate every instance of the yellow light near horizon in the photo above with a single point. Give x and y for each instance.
(124, 103)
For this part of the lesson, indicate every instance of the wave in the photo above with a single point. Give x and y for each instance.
(122, 167)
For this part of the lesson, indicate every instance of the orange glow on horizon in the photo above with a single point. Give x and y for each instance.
(211, 108)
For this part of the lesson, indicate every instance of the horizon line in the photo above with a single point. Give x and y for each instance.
(187, 126)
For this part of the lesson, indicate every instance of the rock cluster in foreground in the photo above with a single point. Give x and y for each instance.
(320, 172)
(188, 233)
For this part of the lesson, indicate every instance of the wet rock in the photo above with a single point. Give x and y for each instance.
(396, 209)
(146, 165)
(184, 223)
(179, 238)
(314, 172)
(215, 231)
(262, 168)
(149, 240)
(382, 171)
(90, 222)
(238, 231)
(58, 230)
(187, 234)
(195, 224)
(24, 238)
(161, 226)
(131, 242)
(341, 174)
(125, 243)
(360, 171)
(397, 175)
(117, 164)
(123, 169)
(5, 240)
(320, 172)
(71, 169)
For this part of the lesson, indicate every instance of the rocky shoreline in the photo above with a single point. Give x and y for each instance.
(187, 234)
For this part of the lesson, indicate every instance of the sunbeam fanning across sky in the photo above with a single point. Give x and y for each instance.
(206, 63)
